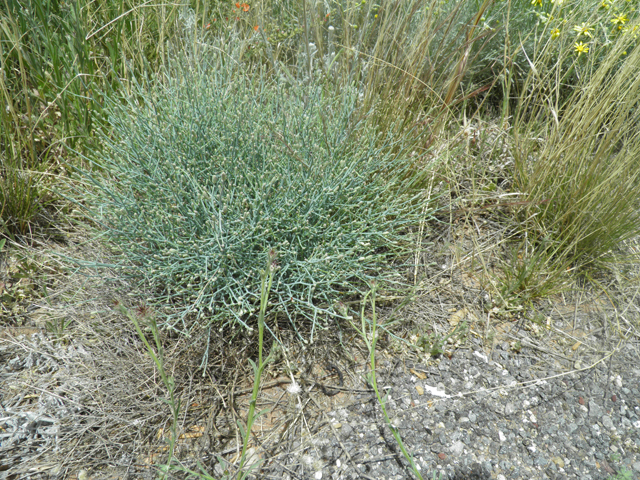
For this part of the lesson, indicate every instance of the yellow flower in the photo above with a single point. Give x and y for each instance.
(606, 4)
(536, 2)
(620, 20)
(633, 30)
(555, 33)
(584, 29)
(581, 48)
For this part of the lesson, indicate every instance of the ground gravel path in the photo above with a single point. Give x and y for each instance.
(510, 416)
(483, 413)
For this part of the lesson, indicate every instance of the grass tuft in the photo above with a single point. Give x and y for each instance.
(581, 181)
(23, 195)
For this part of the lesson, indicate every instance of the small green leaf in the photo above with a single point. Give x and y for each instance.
(242, 429)
(254, 366)
(262, 412)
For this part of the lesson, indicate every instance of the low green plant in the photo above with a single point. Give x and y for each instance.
(20, 288)
(623, 474)
(57, 327)
(434, 344)
(528, 272)
(210, 167)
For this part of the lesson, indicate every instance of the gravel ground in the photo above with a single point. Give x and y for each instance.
(511, 416)
(531, 414)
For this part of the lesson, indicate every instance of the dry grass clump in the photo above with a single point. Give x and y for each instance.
(90, 387)
(576, 164)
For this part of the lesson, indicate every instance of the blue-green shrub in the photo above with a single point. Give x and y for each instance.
(207, 170)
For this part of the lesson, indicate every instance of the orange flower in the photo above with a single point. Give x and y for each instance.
(237, 5)
(245, 7)
(207, 26)
(256, 28)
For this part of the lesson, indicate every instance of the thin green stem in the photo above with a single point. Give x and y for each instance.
(168, 381)
(267, 279)
(371, 345)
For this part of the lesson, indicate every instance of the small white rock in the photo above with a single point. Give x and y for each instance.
(618, 381)
(481, 356)
(457, 448)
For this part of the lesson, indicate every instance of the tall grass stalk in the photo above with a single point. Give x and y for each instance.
(410, 56)
(54, 71)
(258, 369)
